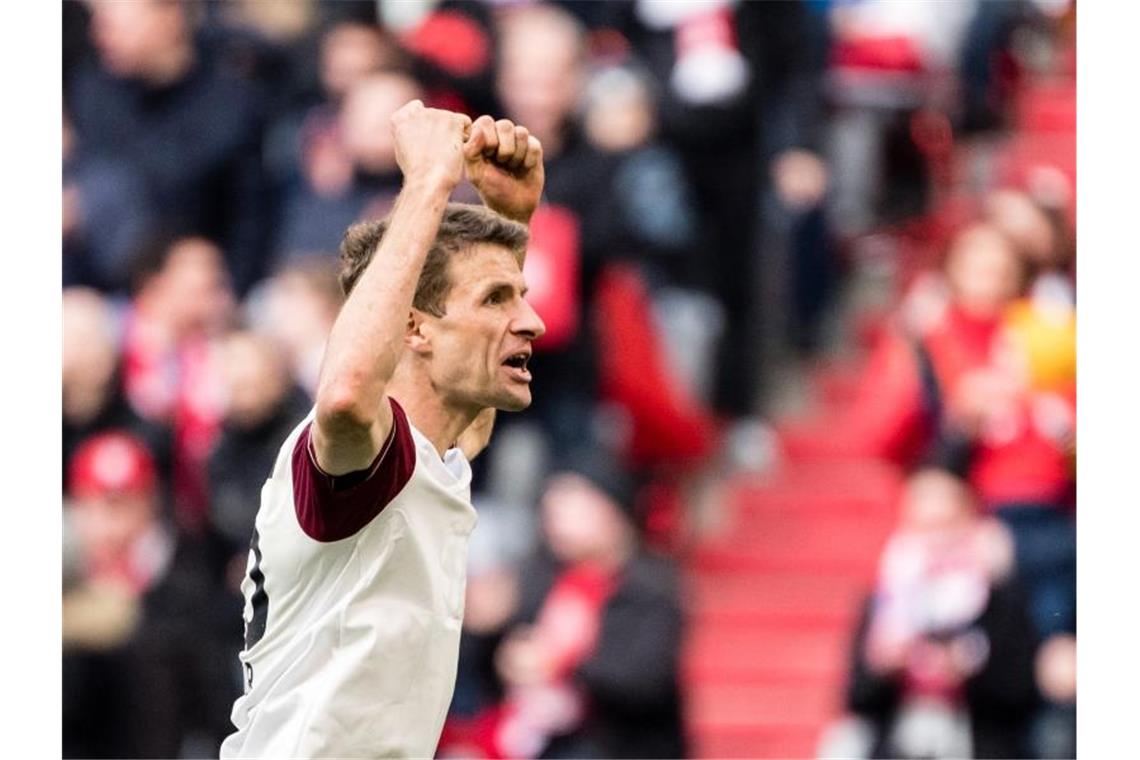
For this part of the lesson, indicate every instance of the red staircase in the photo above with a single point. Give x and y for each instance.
(772, 600)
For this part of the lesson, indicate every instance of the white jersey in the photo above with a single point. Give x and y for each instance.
(353, 603)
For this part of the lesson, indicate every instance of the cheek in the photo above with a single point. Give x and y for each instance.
(456, 358)
(473, 346)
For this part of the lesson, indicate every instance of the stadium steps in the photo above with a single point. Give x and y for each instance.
(772, 599)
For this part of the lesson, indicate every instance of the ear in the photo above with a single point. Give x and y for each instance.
(417, 337)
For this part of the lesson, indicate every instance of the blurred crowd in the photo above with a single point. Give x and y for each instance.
(719, 175)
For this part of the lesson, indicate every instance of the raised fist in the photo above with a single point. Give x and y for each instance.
(429, 144)
(504, 163)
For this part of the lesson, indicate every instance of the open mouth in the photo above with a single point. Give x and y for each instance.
(517, 362)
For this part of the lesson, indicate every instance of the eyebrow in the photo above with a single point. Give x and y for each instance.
(500, 285)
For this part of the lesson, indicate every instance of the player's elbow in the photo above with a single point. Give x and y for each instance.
(341, 407)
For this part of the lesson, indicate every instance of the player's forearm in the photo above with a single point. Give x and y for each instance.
(367, 338)
(520, 215)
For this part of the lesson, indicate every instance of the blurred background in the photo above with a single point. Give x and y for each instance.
(799, 476)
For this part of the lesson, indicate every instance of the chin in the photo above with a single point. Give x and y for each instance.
(513, 402)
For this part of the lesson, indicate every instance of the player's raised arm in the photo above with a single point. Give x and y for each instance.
(367, 339)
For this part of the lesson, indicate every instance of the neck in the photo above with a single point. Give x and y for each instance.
(82, 403)
(622, 552)
(171, 67)
(980, 315)
(611, 559)
(427, 409)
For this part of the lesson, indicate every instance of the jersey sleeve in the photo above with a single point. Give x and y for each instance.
(335, 507)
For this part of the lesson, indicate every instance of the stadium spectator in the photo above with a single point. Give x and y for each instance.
(739, 94)
(983, 67)
(1041, 236)
(887, 63)
(349, 171)
(348, 48)
(453, 50)
(620, 120)
(668, 329)
(267, 46)
(1054, 730)
(296, 308)
(943, 653)
(263, 405)
(1038, 234)
(149, 648)
(93, 400)
(593, 217)
(542, 69)
(156, 103)
(914, 371)
(505, 538)
(590, 668)
(1024, 461)
(278, 22)
(107, 214)
(171, 375)
(351, 49)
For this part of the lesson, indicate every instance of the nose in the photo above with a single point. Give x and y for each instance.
(527, 323)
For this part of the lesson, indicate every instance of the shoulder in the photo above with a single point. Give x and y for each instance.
(332, 508)
(91, 94)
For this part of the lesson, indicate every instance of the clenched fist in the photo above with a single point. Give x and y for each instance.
(504, 163)
(430, 144)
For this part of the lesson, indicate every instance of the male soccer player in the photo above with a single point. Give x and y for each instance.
(354, 594)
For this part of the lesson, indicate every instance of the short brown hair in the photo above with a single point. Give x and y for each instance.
(463, 226)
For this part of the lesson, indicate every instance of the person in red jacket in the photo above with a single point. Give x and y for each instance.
(916, 366)
(965, 385)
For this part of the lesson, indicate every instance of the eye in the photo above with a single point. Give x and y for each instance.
(494, 298)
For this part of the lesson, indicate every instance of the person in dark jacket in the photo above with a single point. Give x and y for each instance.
(741, 101)
(590, 666)
(156, 102)
(348, 167)
(107, 215)
(263, 406)
(148, 639)
(542, 70)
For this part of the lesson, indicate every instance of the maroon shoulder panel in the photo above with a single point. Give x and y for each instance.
(334, 507)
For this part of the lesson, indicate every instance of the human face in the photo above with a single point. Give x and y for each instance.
(935, 502)
(198, 295)
(1027, 225)
(539, 73)
(984, 271)
(89, 350)
(367, 115)
(256, 379)
(478, 350)
(580, 522)
(111, 523)
(349, 52)
(132, 37)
